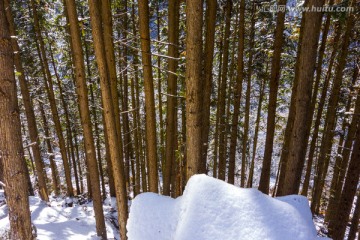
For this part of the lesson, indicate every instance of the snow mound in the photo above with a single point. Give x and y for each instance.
(213, 209)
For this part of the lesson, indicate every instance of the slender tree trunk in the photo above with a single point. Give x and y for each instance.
(29, 109)
(330, 121)
(194, 15)
(257, 125)
(171, 113)
(98, 146)
(136, 139)
(83, 101)
(222, 96)
(159, 93)
(337, 226)
(107, 32)
(76, 146)
(216, 133)
(340, 167)
(274, 85)
(247, 103)
(69, 133)
(320, 109)
(54, 171)
(123, 65)
(11, 149)
(137, 101)
(150, 118)
(51, 96)
(211, 7)
(109, 117)
(237, 96)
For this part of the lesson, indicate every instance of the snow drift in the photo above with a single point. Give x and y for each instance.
(213, 209)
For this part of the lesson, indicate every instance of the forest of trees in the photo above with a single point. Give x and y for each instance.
(139, 95)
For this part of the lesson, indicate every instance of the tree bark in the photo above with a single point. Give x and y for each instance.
(340, 168)
(222, 96)
(337, 226)
(245, 139)
(51, 155)
(29, 109)
(274, 85)
(237, 96)
(306, 64)
(320, 109)
(194, 20)
(171, 113)
(11, 149)
(83, 101)
(151, 152)
(50, 92)
(211, 8)
(314, 98)
(109, 117)
(330, 121)
(257, 125)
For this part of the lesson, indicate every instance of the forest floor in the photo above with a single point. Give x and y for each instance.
(56, 221)
(209, 208)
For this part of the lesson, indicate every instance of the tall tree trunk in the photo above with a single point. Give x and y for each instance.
(314, 98)
(171, 113)
(159, 93)
(340, 168)
(216, 133)
(222, 96)
(150, 117)
(237, 96)
(98, 146)
(69, 132)
(245, 143)
(107, 32)
(194, 20)
(330, 121)
(29, 109)
(83, 101)
(305, 74)
(274, 85)
(109, 117)
(337, 226)
(76, 146)
(211, 7)
(290, 122)
(124, 83)
(51, 155)
(11, 149)
(142, 159)
(136, 139)
(320, 109)
(50, 92)
(257, 125)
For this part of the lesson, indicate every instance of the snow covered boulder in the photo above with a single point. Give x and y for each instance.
(213, 209)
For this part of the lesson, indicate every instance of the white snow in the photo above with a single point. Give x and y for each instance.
(209, 209)
(57, 222)
(212, 209)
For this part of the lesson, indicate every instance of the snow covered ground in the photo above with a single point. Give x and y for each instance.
(209, 209)
(56, 222)
(212, 209)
